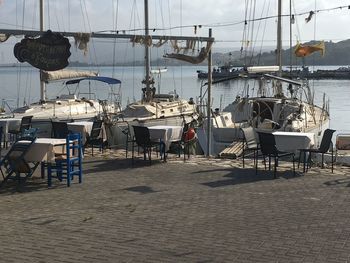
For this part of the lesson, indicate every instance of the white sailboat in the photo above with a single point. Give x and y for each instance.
(279, 104)
(151, 109)
(154, 108)
(74, 105)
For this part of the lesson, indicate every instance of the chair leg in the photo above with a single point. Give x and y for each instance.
(275, 167)
(332, 160)
(42, 170)
(132, 153)
(49, 175)
(293, 166)
(243, 157)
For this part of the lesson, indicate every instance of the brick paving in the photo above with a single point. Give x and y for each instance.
(203, 210)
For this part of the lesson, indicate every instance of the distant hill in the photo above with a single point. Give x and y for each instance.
(335, 54)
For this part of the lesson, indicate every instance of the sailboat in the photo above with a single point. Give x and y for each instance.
(279, 104)
(73, 106)
(154, 108)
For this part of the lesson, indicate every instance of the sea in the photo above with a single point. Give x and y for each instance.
(20, 86)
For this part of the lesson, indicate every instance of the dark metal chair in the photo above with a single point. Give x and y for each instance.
(30, 133)
(188, 136)
(1, 135)
(269, 150)
(143, 140)
(250, 143)
(326, 144)
(59, 129)
(14, 163)
(129, 138)
(69, 164)
(26, 123)
(95, 137)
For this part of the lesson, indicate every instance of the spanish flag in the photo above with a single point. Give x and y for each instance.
(305, 50)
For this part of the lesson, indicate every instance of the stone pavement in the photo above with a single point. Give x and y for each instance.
(198, 211)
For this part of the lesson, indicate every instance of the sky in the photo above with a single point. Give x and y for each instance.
(178, 17)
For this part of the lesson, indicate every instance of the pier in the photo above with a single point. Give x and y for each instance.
(200, 210)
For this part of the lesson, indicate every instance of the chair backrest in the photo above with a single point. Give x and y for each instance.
(73, 146)
(142, 135)
(250, 137)
(267, 143)
(59, 129)
(26, 123)
(29, 133)
(96, 129)
(326, 140)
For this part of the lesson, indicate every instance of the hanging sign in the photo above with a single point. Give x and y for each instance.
(48, 52)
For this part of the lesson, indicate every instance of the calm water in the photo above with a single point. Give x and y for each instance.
(23, 83)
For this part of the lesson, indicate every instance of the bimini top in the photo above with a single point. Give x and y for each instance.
(103, 79)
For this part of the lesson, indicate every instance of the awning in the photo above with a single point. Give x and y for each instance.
(102, 79)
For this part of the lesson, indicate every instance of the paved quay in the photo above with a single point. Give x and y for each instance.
(201, 210)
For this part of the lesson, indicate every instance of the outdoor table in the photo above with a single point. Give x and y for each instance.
(166, 134)
(44, 149)
(293, 141)
(84, 128)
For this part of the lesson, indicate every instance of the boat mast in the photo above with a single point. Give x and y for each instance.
(279, 38)
(147, 80)
(42, 83)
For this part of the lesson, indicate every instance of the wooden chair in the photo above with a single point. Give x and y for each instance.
(269, 150)
(326, 144)
(69, 164)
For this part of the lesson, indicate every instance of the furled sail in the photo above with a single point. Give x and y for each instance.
(65, 74)
(305, 50)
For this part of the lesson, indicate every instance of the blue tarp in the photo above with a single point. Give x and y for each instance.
(103, 79)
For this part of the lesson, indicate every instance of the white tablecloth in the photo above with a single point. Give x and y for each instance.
(166, 134)
(293, 141)
(84, 128)
(44, 149)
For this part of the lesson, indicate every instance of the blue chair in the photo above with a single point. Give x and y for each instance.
(69, 164)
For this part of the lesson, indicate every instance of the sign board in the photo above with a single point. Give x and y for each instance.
(48, 52)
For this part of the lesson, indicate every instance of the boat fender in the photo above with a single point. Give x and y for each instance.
(189, 135)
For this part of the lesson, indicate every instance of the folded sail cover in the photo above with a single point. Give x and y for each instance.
(203, 54)
(65, 74)
(305, 50)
